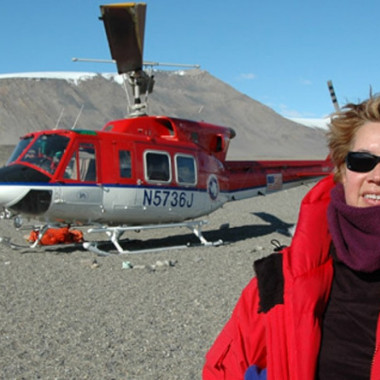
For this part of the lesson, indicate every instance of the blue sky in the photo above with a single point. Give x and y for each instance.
(280, 53)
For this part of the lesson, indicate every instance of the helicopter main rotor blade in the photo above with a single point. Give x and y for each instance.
(124, 24)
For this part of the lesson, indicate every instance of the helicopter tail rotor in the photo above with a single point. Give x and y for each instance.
(333, 96)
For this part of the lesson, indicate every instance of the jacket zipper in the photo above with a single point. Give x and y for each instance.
(373, 359)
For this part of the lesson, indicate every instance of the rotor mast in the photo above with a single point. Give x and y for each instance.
(125, 25)
(137, 83)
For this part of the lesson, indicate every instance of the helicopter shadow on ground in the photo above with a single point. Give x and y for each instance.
(240, 233)
(225, 233)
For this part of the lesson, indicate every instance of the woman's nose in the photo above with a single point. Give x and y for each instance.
(375, 174)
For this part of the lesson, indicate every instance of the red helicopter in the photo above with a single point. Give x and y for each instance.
(136, 173)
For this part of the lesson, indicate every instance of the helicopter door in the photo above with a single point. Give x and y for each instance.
(81, 188)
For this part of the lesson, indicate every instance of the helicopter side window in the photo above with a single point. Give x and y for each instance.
(157, 166)
(186, 169)
(125, 163)
(71, 171)
(82, 165)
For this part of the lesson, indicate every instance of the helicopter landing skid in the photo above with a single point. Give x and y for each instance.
(24, 248)
(115, 233)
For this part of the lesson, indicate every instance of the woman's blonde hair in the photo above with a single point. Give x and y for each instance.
(344, 125)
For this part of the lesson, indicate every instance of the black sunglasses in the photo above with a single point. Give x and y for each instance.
(361, 162)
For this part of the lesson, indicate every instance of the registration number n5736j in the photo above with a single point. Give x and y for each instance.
(168, 198)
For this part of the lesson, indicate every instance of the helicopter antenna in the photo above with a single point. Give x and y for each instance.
(77, 118)
(333, 96)
(59, 118)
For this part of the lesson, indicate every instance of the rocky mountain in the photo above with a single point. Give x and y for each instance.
(40, 101)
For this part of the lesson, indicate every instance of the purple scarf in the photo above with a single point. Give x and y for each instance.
(355, 232)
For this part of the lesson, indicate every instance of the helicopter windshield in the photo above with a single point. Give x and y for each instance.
(46, 152)
(19, 149)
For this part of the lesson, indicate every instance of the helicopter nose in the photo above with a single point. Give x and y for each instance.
(11, 194)
(21, 174)
(16, 188)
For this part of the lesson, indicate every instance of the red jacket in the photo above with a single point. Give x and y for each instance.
(276, 323)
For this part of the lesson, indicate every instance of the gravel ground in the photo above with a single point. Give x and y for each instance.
(62, 317)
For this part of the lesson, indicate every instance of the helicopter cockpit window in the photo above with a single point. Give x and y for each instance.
(82, 165)
(19, 149)
(125, 163)
(46, 152)
(186, 169)
(157, 166)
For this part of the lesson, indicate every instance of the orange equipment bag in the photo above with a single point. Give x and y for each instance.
(57, 236)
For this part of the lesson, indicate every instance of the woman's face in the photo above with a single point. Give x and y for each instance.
(363, 189)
